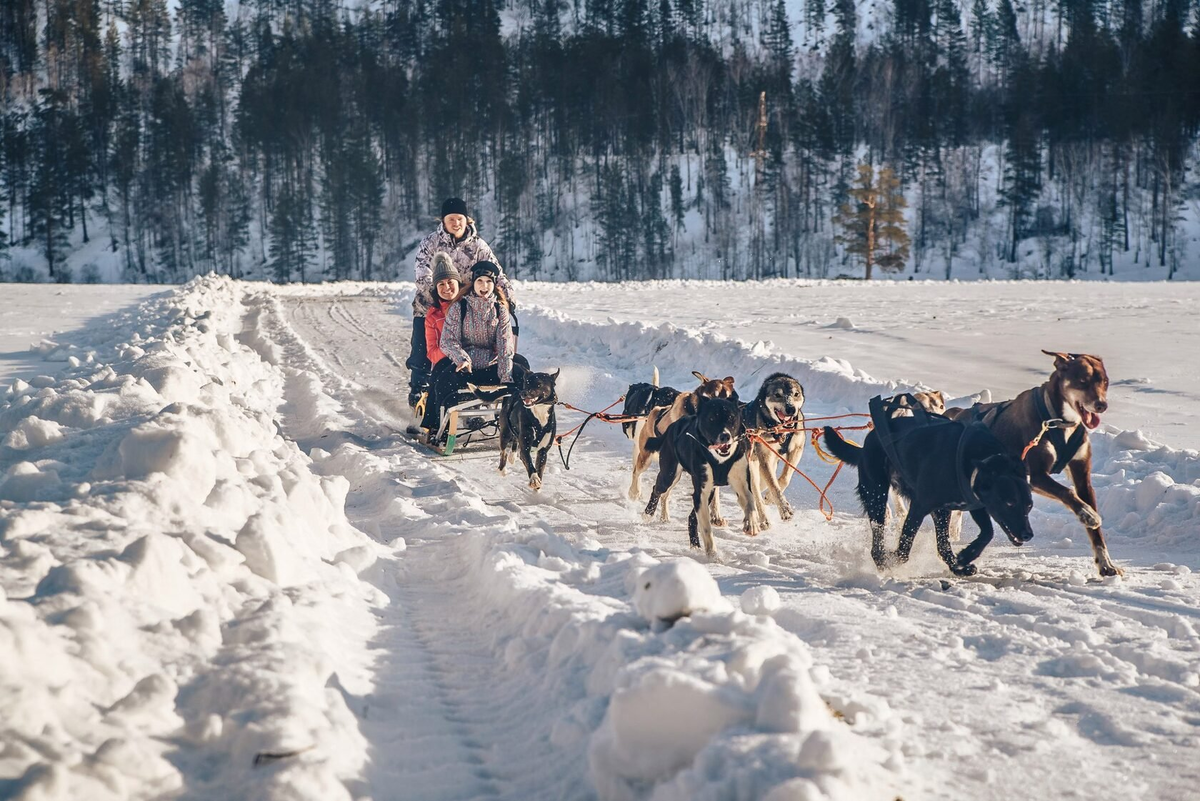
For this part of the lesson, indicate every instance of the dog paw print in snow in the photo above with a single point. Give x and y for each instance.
(671, 590)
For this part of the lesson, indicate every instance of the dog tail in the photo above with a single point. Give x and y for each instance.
(843, 450)
(654, 381)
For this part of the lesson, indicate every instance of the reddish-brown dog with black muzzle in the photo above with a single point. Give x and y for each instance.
(1048, 426)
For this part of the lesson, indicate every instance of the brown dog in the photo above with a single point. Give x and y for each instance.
(1057, 417)
(660, 418)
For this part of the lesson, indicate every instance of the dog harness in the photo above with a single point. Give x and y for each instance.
(1053, 428)
(881, 416)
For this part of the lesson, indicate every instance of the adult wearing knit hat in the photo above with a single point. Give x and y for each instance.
(454, 205)
(444, 268)
(457, 236)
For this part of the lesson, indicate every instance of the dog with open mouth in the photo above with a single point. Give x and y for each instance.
(660, 418)
(939, 466)
(528, 423)
(1049, 426)
(712, 447)
(777, 414)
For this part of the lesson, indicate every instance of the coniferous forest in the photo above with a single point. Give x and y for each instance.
(609, 139)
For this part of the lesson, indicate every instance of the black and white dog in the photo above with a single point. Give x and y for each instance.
(943, 466)
(778, 405)
(528, 424)
(712, 447)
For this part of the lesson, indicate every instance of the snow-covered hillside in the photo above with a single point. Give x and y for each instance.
(227, 574)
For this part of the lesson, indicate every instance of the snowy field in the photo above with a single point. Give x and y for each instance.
(225, 573)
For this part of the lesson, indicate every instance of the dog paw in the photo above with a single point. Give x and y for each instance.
(786, 512)
(763, 523)
(1107, 568)
(635, 494)
(1089, 517)
(535, 482)
(751, 528)
(963, 570)
(720, 522)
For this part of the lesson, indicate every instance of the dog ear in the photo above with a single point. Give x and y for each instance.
(701, 377)
(554, 375)
(728, 381)
(1059, 358)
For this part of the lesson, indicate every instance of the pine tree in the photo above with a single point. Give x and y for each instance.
(873, 225)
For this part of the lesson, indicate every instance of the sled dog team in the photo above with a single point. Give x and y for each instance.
(932, 461)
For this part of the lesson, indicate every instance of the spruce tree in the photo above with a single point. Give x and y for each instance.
(872, 225)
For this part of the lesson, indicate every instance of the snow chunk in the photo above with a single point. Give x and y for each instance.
(671, 590)
(33, 432)
(761, 600)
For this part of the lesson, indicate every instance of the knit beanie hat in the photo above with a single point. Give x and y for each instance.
(488, 268)
(454, 205)
(444, 268)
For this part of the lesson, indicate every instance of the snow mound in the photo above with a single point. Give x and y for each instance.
(671, 590)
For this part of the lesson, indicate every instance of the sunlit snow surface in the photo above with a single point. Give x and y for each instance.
(226, 574)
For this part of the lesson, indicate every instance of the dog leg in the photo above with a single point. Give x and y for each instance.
(959, 565)
(742, 483)
(1043, 484)
(668, 474)
(541, 463)
(505, 439)
(1080, 471)
(766, 472)
(874, 502)
(956, 523)
(756, 494)
(715, 510)
(702, 492)
(986, 530)
(912, 523)
(641, 460)
(793, 456)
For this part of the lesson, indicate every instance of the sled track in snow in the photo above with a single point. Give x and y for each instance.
(1078, 658)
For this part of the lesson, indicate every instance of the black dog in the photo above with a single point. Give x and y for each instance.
(943, 466)
(712, 447)
(528, 423)
(640, 398)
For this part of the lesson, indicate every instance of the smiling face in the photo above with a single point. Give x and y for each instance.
(1083, 382)
(455, 225)
(447, 289)
(484, 286)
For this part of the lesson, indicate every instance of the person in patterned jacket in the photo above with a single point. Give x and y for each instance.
(477, 340)
(458, 237)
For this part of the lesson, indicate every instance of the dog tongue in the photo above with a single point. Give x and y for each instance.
(1090, 419)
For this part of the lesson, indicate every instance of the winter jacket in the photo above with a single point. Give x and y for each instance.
(463, 252)
(435, 320)
(483, 335)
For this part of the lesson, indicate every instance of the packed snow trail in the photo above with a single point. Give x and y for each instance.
(993, 683)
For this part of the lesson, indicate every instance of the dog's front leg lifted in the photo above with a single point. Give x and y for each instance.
(960, 565)
(523, 448)
(1080, 471)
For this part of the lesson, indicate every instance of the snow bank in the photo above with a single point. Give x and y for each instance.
(172, 609)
